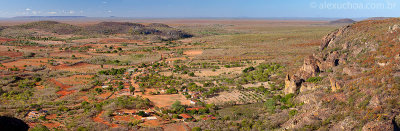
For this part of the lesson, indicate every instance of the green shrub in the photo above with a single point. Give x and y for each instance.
(314, 79)
(292, 112)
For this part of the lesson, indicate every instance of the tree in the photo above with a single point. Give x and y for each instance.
(132, 89)
(141, 113)
(99, 90)
(191, 74)
(120, 87)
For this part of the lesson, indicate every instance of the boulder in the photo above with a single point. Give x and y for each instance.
(374, 102)
(394, 28)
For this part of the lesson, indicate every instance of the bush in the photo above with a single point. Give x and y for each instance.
(292, 112)
(314, 79)
(191, 74)
(99, 90)
(141, 113)
(172, 91)
(270, 104)
(113, 71)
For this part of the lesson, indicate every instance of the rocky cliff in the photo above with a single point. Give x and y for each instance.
(352, 82)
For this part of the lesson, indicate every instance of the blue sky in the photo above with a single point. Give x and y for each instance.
(201, 8)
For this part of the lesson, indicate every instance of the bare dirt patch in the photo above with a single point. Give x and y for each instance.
(176, 127)
(236, 97)
(223, 70)
(64, 88)
(69, 54)
(83, 67)
(193, 52)
(33, 62)
(167, 100)
(174, 59)
(100, 120)
(75, 79)
(119, 41)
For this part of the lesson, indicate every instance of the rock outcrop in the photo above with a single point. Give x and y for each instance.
(292, 83)
(360, 63)
(335, 85)
(316, 63)
(330, 38)
(394, 28)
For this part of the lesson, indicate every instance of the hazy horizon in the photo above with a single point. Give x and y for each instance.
(202, 9)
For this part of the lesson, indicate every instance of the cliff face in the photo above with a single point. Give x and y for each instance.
(353, 81)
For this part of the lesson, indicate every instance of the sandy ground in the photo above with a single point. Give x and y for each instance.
(193, 52)
(167, 100)
(265, 84)
(174, 59)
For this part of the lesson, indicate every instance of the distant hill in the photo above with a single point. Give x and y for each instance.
(49, 17)
(379, 18)
(342, 21)
(155, 31)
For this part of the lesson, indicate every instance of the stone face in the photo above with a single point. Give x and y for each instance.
(330, 38)
(290, 85)
(394, 28)
(310, 67)
(335, 85)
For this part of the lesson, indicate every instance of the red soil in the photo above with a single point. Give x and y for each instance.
(52, 125)
(119, 41)
(6, 39)
(176, 127)
(52, 116)
(125, 118)
(10, 54)
(100, 120)
(64, 88)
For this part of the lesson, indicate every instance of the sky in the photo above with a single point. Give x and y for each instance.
(202, 8)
